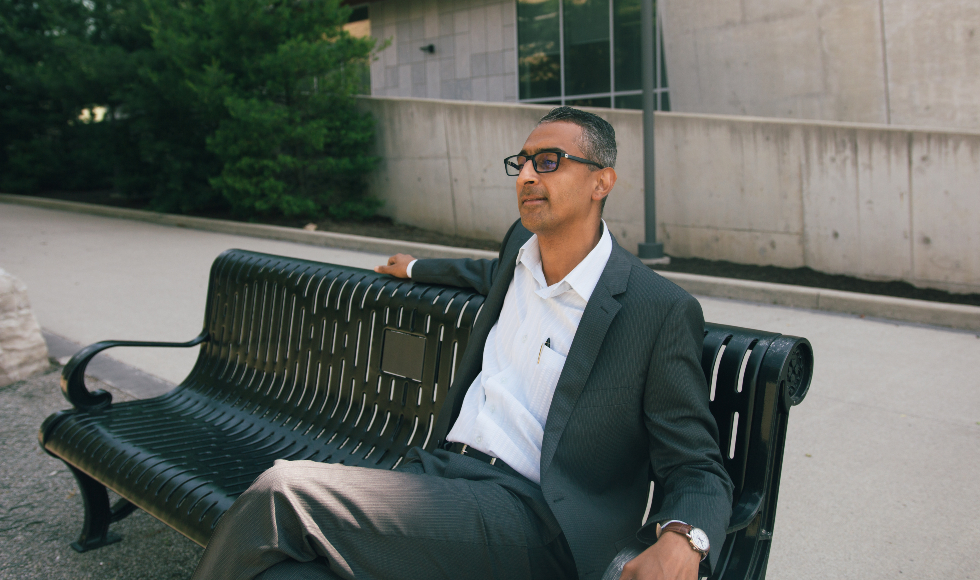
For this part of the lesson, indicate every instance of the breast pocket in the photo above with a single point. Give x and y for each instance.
(544, 378)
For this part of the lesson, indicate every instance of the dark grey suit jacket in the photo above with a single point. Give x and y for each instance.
(631, 404)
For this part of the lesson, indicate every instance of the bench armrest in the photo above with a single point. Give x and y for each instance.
(73, 375)
(748, 506)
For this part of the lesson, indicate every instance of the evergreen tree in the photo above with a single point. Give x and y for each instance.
(278, 79)
(207, 102)
(161, 122)
(46, 79)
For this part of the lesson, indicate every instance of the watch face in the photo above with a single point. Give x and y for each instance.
(699, 539)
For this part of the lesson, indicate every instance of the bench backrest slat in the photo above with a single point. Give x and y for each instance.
(302, 343)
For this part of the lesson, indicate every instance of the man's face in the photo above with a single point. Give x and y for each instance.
(551, 203)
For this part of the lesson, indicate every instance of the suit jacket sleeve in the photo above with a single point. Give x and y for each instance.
(684, 453)
(465, 273)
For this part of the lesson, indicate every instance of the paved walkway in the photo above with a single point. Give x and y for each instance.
(882, 461)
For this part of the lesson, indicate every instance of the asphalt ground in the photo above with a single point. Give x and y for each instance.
(881, 463)
(41, 511)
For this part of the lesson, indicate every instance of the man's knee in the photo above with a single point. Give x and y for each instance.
(283, 478)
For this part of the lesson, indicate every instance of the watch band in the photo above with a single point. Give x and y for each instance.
(660, 526)
(679, 527)
(684, 530)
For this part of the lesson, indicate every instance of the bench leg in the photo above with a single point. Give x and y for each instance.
(98, 514)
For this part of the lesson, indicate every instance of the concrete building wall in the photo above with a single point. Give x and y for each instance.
(442, 165)
(875, 202)
(902, 62)
(933, 62)
(474, 58)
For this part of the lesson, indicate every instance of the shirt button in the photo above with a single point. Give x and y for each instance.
(479, 439)
(524, 339)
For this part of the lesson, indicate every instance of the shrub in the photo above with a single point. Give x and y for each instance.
(241, 103)
(278, 78)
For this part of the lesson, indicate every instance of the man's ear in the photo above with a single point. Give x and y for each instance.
(605, 179)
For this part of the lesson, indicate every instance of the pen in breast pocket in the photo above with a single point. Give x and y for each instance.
(546, 343)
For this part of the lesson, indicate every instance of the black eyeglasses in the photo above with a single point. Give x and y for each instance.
(544, 162)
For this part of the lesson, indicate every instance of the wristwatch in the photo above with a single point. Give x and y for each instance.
(697, 537)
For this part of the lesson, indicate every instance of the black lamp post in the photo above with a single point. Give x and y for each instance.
(650, 249)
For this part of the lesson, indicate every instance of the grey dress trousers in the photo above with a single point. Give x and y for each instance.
(439, 515)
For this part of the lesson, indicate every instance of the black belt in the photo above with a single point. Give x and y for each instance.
(463, 449)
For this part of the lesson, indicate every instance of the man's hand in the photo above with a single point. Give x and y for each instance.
(671, 558)
(397, 266)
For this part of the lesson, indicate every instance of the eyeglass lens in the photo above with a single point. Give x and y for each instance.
(544, 162)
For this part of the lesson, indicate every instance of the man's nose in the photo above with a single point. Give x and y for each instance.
(527, 175)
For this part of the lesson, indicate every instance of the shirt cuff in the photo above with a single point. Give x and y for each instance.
(408, 270)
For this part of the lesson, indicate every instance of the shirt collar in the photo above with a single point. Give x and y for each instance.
(583, 278)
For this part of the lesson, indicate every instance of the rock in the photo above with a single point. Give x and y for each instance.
(23, 351)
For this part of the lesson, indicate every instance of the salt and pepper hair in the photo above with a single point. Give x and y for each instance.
(598, 136)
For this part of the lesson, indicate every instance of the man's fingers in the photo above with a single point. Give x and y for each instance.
(397, 266)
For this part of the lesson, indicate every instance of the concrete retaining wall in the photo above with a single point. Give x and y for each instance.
(442, 165)
(876, 202)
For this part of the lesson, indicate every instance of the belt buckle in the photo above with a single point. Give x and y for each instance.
(465, 448)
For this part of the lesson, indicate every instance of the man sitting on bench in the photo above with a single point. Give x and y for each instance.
(582, 379)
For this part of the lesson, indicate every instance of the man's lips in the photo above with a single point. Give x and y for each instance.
(530, 197)
(533, 199)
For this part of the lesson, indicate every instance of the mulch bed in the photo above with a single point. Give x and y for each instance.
(814, 279)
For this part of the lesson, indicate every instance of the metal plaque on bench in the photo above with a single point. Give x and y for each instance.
(402, 354)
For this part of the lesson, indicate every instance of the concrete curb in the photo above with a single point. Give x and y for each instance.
(956, 316)
(900, 309)
(296, 235)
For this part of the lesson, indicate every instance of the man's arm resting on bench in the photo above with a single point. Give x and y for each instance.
(464, 273)
(684, 453)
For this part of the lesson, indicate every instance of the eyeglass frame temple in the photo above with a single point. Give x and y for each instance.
(534, 163)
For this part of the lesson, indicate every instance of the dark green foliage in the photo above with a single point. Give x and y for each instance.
(163, 128)
(210, 102)
(44, 84)
(278, 77)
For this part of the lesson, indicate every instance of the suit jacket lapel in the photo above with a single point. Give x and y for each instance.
(472, 362)
(598, 315)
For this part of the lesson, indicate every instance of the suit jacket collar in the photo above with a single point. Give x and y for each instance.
(599, 314)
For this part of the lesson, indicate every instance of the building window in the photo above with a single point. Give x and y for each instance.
(585, 53)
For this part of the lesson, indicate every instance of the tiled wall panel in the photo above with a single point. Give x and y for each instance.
(475, 49)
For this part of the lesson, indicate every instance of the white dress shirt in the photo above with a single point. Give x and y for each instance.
(505, 410)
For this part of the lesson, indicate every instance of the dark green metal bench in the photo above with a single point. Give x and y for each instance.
(305, 360)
